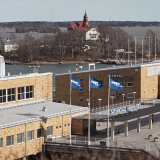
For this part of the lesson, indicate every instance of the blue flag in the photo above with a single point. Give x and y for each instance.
(116, 85)
(94, 83)
(75, 83)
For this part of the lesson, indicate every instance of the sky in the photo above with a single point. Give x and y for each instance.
(73, 10)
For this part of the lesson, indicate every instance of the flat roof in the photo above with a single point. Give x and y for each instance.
(24, 75)
(136, 114)
(114, 67)
(33, 111)
(92, 117)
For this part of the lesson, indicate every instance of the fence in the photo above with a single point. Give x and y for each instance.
(94, 142)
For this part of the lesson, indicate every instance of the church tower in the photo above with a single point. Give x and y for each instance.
(85, 20)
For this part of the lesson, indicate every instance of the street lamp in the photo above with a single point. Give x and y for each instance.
(35, 68)
(134, 96)
(99, 102)
(144, 95)
(153, 92)
(112, 99)
(123, 97)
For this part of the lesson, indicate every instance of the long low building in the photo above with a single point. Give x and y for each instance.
(25, 127)
(140, 81)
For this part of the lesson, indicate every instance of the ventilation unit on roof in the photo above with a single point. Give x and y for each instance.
(44, 109)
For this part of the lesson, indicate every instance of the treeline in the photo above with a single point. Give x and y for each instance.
(72, 46)
(45, 27)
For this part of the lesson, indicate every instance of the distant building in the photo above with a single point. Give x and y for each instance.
(90, 33)
(8, 45)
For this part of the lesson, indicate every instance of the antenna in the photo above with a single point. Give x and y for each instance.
(51, 13)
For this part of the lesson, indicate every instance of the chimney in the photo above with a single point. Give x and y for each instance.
(2, 66)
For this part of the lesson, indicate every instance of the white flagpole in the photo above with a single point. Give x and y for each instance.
(70, 111)
(108, 112)
(89, 115)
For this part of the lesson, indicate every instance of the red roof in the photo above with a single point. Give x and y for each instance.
(78, 26)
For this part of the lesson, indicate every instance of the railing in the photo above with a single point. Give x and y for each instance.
(117, 105)
(78, 140)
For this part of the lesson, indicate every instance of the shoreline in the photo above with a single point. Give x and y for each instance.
(45, 62)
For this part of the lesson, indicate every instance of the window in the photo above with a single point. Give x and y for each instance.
(130, 95)
(3, 96)
(7, 95)
(25, 92)
(123, 84)
(9, 140)
(81, 80)
(39, 132)
(120, 94)
(129, 84)
(81, 90)
(20, 138)
(11, 94)
(49, 130)
(112, 94)
(80, 100)
(30, 135)
(1, 142)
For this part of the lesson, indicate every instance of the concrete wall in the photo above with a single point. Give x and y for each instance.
(61, 126)
(42, 86)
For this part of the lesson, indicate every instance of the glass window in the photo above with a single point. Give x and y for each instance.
(113, 94)
(81, 100)
(49, 130)
(130, 95)
(39, 132)
(129, 84)
(25, 92)
(3, 96)
(30, 135)
(80, 90)
(20, 138)
(1, 142)
(9, 140)
(11, 94)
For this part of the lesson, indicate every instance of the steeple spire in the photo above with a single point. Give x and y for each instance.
(85, 20)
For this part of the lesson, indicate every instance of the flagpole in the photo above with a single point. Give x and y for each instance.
(70, 111)
(89, 115)
(108, 112)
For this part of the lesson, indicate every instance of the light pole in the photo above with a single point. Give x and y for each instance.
(70, 136)
(112, 99)
(134, 96)
(99, 108)
(144, 95)
(153, 92)
(99, 102)
(35, 69)
(123, 98)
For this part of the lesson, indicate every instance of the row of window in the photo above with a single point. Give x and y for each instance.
(8, 95)
(30, 136)
(113, 95)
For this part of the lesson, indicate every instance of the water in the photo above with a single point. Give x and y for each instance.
(53, 68)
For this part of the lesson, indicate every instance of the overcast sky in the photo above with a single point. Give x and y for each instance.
(73, 10)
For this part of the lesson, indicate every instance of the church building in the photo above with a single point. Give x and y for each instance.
(90, 33)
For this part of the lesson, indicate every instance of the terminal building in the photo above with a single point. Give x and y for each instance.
(140, 81)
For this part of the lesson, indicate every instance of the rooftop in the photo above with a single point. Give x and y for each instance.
(33, 111)
(24, 75)
(115, 67)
